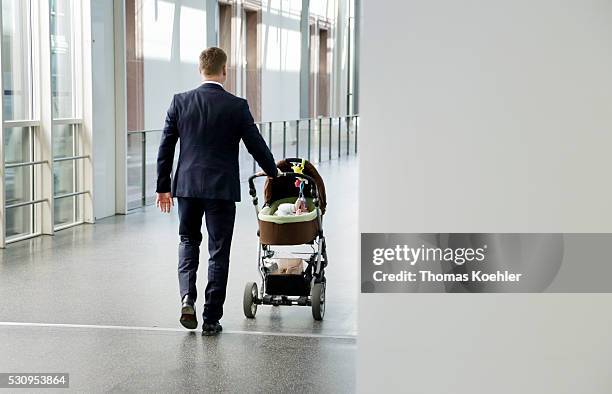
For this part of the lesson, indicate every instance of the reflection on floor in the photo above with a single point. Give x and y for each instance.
(122, 272)
(174, 362)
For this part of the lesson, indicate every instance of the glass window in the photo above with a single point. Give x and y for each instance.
(64, 142)
(152, 146)
(64, 208)
(18, 145)
(19, 221)
(134, 171)
(65, 88)
(18, 185)
(18, 181)
(65, 173)
(17, 60)
(64, 84)
(18, 104)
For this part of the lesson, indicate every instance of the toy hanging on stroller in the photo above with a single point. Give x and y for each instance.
(291, 215)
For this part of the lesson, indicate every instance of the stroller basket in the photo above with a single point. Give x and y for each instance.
(289, 285)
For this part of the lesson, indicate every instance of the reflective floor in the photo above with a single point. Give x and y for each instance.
(105, 298)
(173, 362)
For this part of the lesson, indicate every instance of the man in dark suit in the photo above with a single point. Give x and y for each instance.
(209, 123)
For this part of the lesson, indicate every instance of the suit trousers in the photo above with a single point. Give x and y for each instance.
(219, 217)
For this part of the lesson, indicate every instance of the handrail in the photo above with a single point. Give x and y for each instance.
(318, 139)
(68, 158)
(21, 123)
(25, 203)
(129, 132)
(72, 194)
(25, 164)
(144, 131)
(38, 162)
(67, 121)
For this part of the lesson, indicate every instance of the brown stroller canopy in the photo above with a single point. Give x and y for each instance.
(279, 188)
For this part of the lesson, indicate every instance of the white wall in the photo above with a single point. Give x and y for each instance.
(280, 54)
(324, 8)
(103, 86)
(340, 60)
(486, 116)
(336, 12)
(174, 34)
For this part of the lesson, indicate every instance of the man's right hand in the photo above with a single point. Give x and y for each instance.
(278, 173)
(164, 202)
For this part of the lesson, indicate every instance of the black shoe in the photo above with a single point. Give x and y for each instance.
(188, 314)
(209, 329)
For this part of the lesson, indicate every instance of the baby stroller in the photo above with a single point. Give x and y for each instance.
(289, 281)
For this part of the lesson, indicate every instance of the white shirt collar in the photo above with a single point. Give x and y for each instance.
(215, 82)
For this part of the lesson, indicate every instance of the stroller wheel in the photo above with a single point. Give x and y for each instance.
(317, 295)
(248, 301)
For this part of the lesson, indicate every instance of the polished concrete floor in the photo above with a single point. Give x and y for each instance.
(101, 302)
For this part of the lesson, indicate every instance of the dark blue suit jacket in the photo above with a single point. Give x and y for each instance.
(209, 123)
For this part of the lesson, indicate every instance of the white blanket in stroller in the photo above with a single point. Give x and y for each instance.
(287, 213)
(285, 209)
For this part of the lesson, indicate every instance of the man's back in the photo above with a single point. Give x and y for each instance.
(209, 123)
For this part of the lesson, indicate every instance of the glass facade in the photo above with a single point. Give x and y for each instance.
(18, 57)
(26, 131)
(263, 45)
(18, 180)
(65, 145)
(156, 50)
(47, 145)
(65, 93)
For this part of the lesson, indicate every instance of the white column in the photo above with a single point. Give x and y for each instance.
(212, 23)
(44, 138)
(238, 37)
(2, 177)
(357, 42)
(120, 109)
(86, 165)
(305, 60)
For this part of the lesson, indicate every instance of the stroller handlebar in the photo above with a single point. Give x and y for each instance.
(294, 159)
(311, 181)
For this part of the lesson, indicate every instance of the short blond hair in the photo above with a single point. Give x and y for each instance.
(212, 61)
